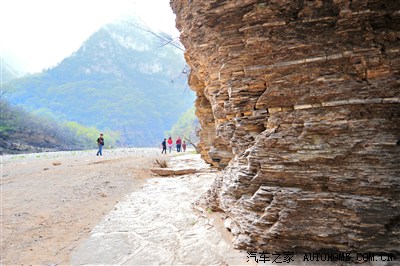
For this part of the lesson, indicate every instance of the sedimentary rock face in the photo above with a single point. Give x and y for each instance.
(299, 102)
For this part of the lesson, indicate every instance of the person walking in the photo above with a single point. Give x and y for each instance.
(178, 144)
(184, 146)
(100, 143)
(170, 143)
(164, 146)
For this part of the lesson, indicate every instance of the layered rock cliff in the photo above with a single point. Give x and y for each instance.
(299, 102)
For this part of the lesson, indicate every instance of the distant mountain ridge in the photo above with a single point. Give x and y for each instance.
(120, 79)
(8, 72)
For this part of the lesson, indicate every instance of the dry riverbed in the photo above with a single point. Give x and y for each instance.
(76, 208)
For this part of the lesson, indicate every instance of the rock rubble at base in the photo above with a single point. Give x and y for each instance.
(181, 165)
(172, 172)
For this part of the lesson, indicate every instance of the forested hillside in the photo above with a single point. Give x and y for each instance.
(21, 132)
(121, 80)
(186, 127)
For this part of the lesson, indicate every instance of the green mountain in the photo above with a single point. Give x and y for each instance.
(121, 80)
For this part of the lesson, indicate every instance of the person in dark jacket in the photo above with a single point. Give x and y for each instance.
(100, 143)
(164, 146)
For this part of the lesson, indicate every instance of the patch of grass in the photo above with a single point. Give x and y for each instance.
(18, 157)
(209, 210)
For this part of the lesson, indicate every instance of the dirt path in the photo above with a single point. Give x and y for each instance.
(50, 202)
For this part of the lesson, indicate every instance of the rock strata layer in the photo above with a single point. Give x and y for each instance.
(299, 103)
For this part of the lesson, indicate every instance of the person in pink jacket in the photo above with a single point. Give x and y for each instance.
(170, 142)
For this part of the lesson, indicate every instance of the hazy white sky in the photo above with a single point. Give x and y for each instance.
(40, 33)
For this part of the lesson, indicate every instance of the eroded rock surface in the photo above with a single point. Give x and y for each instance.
(299, 101)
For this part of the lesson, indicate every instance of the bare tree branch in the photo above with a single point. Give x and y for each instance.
(191, 143)
(165, 38)
(2, 92)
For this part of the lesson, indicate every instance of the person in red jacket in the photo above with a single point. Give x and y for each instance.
(169, 144)
(178, 144)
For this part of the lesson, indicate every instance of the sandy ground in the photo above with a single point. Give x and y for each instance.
(51, 201)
